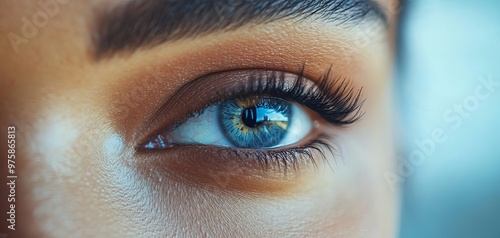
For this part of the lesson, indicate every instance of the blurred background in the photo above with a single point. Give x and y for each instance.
(449, 97)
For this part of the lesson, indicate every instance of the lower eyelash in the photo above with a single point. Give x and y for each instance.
(292, 158)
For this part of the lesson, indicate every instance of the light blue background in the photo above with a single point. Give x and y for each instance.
(446, 46)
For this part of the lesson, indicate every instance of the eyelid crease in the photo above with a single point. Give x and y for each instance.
(334, 99)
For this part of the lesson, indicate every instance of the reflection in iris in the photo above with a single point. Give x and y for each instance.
(256, 116)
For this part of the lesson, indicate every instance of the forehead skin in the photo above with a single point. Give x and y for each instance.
(73, 184)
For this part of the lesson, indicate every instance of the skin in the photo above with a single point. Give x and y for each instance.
(77, 126)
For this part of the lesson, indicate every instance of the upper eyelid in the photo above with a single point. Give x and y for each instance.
(138, 92)
(225, 81)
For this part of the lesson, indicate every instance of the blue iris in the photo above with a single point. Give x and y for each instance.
(255, 122)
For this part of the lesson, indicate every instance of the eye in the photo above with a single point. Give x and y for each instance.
(252, 122)
(267, 118)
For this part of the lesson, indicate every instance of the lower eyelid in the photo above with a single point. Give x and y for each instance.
(222, 169)
(228, 169)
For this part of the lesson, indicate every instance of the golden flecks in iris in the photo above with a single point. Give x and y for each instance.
(247, 102)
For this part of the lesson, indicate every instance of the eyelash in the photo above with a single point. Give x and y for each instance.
(291, 157)
(341, 106)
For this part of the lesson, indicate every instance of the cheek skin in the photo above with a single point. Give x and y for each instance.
(63, 172)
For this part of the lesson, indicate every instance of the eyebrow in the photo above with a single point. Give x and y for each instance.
(140, 24)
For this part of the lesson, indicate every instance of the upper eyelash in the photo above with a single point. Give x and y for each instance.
(341, 106)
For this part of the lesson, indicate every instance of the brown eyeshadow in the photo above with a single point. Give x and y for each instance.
(152, 78)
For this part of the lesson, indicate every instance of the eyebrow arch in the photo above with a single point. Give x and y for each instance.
(140, 24)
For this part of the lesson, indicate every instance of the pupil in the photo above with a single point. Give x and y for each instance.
(249, 117)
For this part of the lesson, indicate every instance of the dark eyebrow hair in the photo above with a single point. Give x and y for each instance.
(140, 24)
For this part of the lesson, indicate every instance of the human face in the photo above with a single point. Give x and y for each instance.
(88, 84)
